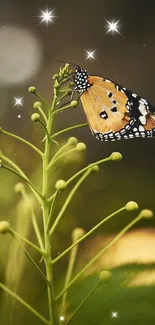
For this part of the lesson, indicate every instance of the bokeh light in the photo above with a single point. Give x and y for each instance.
(20, 55)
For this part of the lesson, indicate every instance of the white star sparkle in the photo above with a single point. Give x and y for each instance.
(114, 314)
(18, 101)
(112, 26)
(19, 116)
(90, 54)
(62, 318)
(47, 16)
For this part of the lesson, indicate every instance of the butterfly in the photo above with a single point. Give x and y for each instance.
(113, 112)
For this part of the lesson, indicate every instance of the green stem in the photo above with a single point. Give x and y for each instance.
(33, 217)
(81, 171)
(52, 162)
(83, 301)
(103, 250)
(69, 198)
(71, 263)
(43, 100)
(68, 129)
(66, 145)
(31, 259)
(87, 234)
(24, 303)
(47, 258)
(42, 113)
(60, 98)
(51, 210)
(24, 141)
(44, 126)
(37, 230)
(15, 234)
(87, 168)
(61, 109)
(37, 193)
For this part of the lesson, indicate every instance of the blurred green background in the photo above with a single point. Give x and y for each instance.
(28, 54)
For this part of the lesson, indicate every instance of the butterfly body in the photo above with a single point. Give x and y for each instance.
(113, 112)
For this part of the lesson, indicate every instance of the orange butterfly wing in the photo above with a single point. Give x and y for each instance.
(107, 110)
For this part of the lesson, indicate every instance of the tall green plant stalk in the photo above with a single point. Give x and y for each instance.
(47, 200)
(47, 238)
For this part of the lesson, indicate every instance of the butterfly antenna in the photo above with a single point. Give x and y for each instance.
(74, 64)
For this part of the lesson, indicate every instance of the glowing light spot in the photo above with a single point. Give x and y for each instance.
(62, 318)
(90, 54)
(19, 116)
(18, 101)
(114, 314)
(113, 27)
(20, 56)
(47, 16)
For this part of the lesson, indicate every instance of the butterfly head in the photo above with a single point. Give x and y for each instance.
(81, 80)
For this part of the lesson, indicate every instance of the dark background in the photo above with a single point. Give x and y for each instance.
(129, 60)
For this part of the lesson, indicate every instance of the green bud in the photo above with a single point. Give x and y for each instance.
(71, 84)
(69, 91)
(66, 67)
(60, 185)
(81, 146)
(35, 117)
(32, 90)
(56, 85)
(65, 70)
(64, 80)
(19, 187)
(116, 156)
(95, 168)
(72, 141)
(146, 213)
(37, 105)
(74, 103)
(56, 76)
(105, 276)
(1, 131)
(77, 233)
(131, 206)
(4, 227)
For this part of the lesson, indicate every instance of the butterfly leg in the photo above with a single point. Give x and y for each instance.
(69, 79)
(72, 97)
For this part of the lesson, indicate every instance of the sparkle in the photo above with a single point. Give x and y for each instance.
(90, 54)
(114, 314)
(113, 26)
(47, 16)
(62, 318)
(19, 116)
(18, 101)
